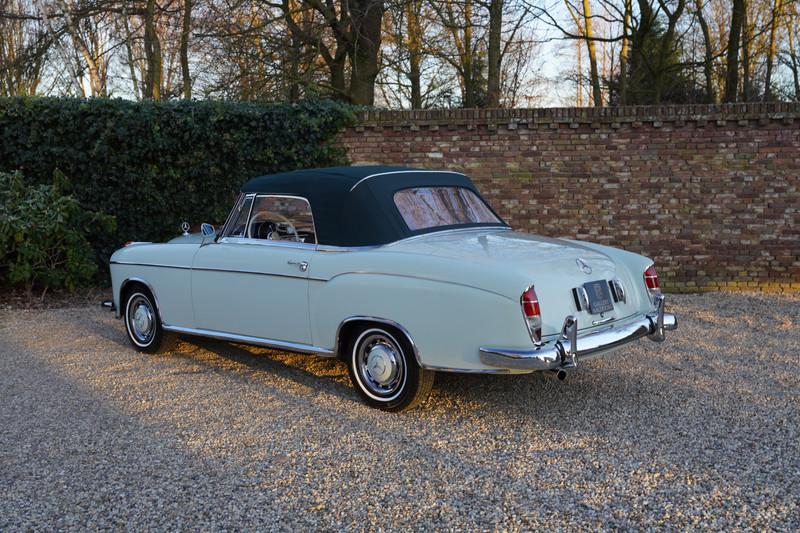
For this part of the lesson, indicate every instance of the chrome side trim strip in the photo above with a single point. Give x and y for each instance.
(159, 265)
(468, 370)
(257, 341)
(334, 248)
(404, 172)
(411, 276)
(251, 272)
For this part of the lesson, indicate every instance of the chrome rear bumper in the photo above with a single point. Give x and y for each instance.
(565, 351)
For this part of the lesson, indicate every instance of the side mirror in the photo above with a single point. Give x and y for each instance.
(208, 234)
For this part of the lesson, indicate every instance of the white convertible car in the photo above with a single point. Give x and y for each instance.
(399, 272)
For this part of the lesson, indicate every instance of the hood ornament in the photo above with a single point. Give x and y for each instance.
(185, 227)
(584, 266)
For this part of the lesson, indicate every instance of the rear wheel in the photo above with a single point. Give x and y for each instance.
(143, 323)
(384, 371)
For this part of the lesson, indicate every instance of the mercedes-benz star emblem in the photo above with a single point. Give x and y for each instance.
(583, 265)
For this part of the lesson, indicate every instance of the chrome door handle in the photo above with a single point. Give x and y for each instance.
(302, 265)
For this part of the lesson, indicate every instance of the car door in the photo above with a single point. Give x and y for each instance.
(254, 280)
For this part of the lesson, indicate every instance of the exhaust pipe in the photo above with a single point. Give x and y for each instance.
(558, 373)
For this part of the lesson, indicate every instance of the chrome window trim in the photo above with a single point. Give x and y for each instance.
(365, 178)
(242, 198)
(265, 242)
(246, 339)
(474, 193)
(291, 196)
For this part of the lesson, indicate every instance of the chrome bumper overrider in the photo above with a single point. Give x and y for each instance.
(564, 352)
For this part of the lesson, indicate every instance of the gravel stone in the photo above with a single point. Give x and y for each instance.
(698, 432)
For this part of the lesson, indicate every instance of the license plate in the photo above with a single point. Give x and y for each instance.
(599, 297)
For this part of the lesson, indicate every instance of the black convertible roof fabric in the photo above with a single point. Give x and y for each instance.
(354, 206)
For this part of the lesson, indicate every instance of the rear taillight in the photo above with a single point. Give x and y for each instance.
(651, 278)
(533, 314)
(651, 281)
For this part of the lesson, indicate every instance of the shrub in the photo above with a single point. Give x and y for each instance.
(43, 235)
(155, 164)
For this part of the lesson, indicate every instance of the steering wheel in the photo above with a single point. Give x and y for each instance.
(267, 229)
(291, 230)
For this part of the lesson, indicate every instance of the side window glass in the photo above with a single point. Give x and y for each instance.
(282, 218)
(238, 225)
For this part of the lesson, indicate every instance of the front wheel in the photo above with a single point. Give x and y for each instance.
(143, 324)
(384, 371)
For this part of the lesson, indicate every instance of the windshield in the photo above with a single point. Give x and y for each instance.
(432, 207)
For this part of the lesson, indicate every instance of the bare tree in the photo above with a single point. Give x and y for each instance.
(732, 77)
(24, 44)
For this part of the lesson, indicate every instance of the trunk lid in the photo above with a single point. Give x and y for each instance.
(553, 266)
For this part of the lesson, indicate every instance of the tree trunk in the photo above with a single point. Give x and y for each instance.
(413, 9)
(597, 95)
(579, 69)
(467, 61)
(185, 33)
(494, 53)
(772, 49)
(624, 53)
(152, 52)
(732, 72)
(95, 79)
(747, 41)
(793, 58)
(708, 60)
(366, 17)
(338, 80)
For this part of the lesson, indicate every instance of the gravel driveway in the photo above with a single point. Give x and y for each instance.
(701, 431)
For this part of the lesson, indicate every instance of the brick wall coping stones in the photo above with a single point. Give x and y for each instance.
(534, 118)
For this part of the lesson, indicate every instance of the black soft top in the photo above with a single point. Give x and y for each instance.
(354, 206)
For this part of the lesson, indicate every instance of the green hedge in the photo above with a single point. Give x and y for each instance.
(152, 165)
(43, 235)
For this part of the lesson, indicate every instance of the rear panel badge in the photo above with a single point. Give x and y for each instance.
(584, 266)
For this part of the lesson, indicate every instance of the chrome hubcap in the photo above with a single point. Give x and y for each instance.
(140, 318)
(380, 364)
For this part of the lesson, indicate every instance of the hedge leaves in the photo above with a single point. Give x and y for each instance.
(152, 165)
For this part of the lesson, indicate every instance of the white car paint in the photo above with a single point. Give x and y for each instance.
(452, 291)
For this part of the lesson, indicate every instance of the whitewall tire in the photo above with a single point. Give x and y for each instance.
(143, 323)
(384, 371)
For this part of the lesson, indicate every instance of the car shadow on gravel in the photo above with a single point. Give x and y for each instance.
(317, 372)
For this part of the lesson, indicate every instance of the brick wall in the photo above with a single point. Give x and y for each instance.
(712, 193)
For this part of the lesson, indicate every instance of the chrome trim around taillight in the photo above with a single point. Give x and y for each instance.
(535, 331)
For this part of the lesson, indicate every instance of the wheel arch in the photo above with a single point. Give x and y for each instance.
(130, 282)
(349, 324)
